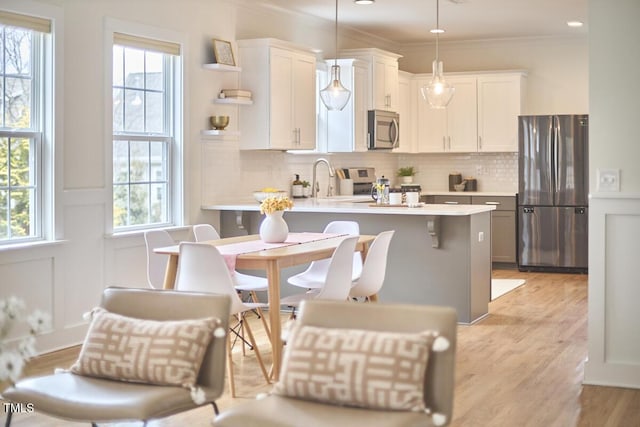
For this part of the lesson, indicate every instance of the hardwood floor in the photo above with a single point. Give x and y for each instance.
(520, 366)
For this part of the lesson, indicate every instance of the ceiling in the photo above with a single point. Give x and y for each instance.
(409, 21)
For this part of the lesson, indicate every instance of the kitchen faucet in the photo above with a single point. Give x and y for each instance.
(315, 186)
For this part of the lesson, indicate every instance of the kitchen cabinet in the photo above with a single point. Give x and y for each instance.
(503, 226)
(500, 101)
(481, 117)
(453, 129)
(347, 128)
(407, 111)
(450, 200)
(383, 77)
(282, 78)
(503, 221)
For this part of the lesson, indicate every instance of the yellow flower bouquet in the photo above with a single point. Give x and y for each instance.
(275, 203)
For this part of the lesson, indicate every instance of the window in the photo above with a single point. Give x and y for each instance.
(145, 83)
(23, 42)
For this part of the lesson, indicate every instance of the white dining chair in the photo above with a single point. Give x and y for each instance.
(243, 282)
(201, 268)
(314, 276)
(157, 263)
(374, 268)
(337, 281)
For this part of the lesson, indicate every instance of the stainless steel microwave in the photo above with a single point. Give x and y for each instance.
(383, 129)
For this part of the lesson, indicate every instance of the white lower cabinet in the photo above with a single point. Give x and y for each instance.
(282, 79)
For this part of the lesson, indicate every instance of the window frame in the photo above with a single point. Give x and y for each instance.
(176, 210)
(40, 216)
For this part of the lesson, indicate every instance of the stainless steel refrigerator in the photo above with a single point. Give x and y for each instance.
(553, 192)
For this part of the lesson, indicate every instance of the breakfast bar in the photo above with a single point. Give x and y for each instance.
(440, 254)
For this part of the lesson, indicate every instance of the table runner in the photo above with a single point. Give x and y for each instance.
(232, 250)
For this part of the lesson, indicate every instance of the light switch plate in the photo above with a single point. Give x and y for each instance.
(608, 179)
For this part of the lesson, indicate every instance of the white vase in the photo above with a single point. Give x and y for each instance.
(407, 179)
(274, 228)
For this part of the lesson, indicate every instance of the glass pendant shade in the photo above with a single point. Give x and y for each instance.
(438, 92)
(335, 96)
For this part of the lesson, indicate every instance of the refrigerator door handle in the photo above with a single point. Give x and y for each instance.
(554, 159)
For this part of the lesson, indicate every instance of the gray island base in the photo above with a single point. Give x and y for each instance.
(439, 255)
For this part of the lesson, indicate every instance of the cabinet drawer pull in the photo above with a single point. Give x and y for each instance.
(450, 203)
(492, 203)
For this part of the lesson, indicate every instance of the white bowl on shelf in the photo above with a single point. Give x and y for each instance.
(459, 187)
(261, 195)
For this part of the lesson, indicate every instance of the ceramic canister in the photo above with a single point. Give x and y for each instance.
(454, 179)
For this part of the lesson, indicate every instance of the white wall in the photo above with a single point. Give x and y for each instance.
(66, 278)
(614, 218)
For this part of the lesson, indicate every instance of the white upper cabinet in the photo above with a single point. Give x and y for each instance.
(383, 75)
(385, 78)
(347, 128)
(481, 117)
(452, 129)
(282, 78)
(407, 112)
(500, 100)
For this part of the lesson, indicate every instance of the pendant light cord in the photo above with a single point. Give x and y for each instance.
(437, 26)
(335, 53)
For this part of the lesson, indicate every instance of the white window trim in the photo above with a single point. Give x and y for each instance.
(179, 149)
(51, 167)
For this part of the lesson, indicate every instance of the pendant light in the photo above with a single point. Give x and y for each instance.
(335, 96)
(438, 92)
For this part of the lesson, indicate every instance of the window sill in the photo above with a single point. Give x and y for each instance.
(139, 233)
(31, 245)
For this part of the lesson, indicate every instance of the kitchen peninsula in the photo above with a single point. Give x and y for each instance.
(440, 254)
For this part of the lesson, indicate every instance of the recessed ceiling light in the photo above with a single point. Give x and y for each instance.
(436, 31)
(575, 24)
(364, 1)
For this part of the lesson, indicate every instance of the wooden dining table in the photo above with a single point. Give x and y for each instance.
(272, 261)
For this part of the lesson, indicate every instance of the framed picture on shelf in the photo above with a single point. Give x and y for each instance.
(222, 52)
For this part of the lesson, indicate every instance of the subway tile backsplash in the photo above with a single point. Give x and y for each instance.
(230, 174)
(493, 171)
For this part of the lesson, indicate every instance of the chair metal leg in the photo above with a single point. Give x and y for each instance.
(7, 423)
(237, 331)
(215, 408)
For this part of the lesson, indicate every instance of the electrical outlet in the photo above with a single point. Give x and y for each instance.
(608, 179)
(481, 236)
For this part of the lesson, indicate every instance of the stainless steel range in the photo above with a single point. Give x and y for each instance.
(363, 179)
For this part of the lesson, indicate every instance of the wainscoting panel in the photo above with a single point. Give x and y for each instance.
(614, 291)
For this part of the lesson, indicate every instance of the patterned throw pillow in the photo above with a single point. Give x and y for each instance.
(145, 351)
(371, 369)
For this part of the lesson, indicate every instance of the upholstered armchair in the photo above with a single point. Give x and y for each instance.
(172, 360)
(374, 365)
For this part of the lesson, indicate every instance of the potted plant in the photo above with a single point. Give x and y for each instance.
(406, 173)
(306, 189)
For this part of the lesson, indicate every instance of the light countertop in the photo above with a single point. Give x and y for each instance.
(357, 205)
(469, 193)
